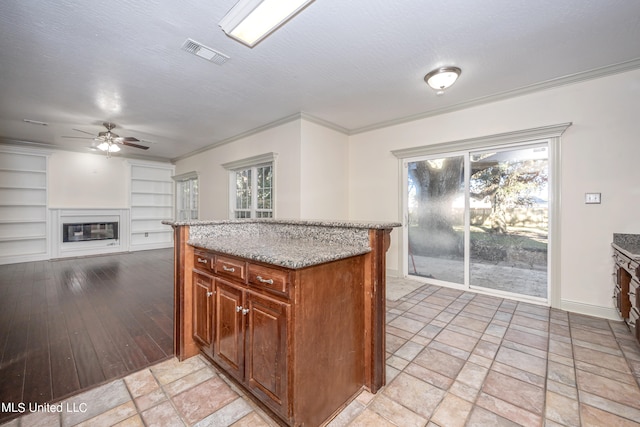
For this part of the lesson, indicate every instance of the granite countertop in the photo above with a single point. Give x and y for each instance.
(628, 244)
(316, 223)
(286, 243)
(285, 252)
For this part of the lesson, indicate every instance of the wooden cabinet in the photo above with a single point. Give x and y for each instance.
(251, 342)
(229, 323)
(266, 354)
(203, 310)
(293, 338)
(626, 292)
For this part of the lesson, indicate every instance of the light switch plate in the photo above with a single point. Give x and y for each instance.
(592, 198)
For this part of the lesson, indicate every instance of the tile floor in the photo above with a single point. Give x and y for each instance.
(454, 359)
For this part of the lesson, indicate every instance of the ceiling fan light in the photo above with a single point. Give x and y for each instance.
(111, 148)
(442, 78)
(249, 21)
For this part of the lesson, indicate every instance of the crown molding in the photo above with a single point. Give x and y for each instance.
(242, 135)
(50, 149)
(308, 117)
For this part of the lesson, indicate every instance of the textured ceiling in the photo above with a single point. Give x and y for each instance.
(355, 64)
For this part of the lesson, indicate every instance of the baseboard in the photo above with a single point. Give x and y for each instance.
(589, 309)
(393, 273)
(23, 258)
(163, 245)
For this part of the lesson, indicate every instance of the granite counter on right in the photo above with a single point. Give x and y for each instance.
(626, 256)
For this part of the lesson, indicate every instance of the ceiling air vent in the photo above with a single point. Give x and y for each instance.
(205, 52)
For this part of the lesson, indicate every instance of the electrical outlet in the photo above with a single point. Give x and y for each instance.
(592, 198)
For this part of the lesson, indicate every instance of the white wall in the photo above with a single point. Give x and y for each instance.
(83, 180)
(213, 179)
(324, 166)
(311, 171)
(599, 154)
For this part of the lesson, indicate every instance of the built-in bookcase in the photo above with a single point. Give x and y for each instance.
(23, 207)
(152, 201)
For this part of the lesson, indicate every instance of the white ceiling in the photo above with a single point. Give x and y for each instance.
(356, 64)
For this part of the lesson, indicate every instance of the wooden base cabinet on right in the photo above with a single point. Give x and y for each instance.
(292, 338)
(626, 292)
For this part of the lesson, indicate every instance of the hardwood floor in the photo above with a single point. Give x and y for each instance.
(71, 324)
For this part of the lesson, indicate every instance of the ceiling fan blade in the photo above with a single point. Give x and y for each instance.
(76, 137)
(130, 144)
(130, 139)
(78, 130)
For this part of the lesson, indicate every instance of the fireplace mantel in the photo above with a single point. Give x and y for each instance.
(60, 249)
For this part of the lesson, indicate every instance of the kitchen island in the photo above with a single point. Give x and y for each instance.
(293, 310)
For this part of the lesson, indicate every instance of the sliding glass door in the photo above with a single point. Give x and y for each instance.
(509, 218)
(436, 193)
(479, 219)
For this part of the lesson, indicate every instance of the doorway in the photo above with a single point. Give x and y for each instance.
(480, 219)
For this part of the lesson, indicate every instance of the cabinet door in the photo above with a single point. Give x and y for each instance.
(203, 310)
(266, 350)
(229, 332)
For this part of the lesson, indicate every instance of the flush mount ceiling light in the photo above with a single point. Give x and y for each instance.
(249, 21)
(442, 78)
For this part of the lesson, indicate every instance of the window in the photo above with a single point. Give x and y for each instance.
(252, 187)
(186, 196)
(254, 192)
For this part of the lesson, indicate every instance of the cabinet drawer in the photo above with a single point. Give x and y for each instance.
(621, 259)
(271, 279)
(203, 260)
(231, 267)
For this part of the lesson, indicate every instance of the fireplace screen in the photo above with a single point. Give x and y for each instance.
(89, 231)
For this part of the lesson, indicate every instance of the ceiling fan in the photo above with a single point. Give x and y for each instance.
(108, 141)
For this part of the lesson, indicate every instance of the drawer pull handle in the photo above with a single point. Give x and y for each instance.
(209, 293)
(229, 269)
(203, 261)
(238, 308)
(245, 311)
(261, 280)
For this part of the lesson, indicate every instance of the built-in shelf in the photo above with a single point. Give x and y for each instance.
(23, 206)
(151, 203)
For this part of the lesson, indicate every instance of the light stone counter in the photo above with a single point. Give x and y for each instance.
(628, 244)
(287, 243)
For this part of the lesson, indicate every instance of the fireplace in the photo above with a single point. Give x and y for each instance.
(88, 231)
(80, 232)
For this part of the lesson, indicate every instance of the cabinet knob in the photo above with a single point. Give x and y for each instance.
(203, 261)
(229, 269)
(238, 308)
(245, 311)
(209, 293)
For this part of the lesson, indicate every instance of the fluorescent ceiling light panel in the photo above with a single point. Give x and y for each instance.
(249, 21)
